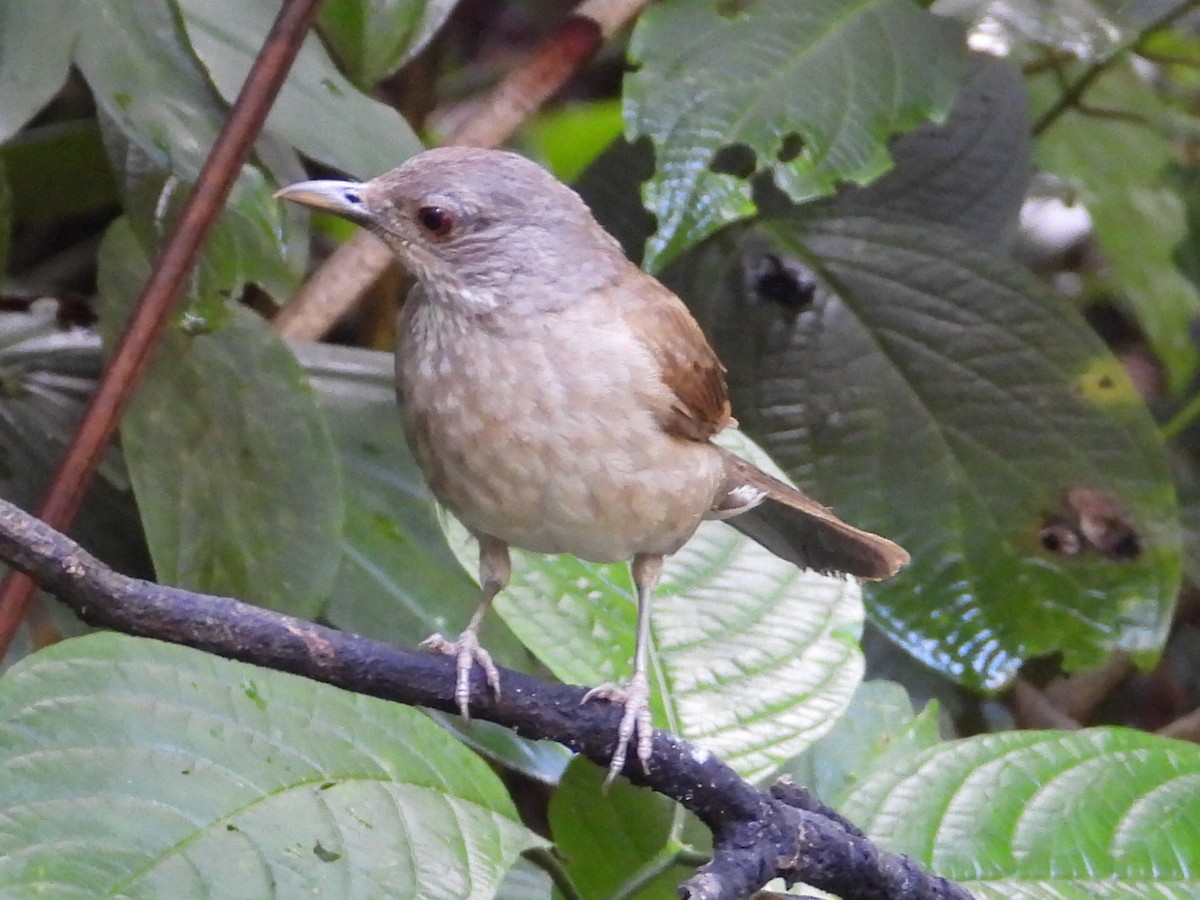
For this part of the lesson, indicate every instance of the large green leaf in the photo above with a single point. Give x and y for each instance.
(1122, 171)
(230, 458)
(374, 38)
(158, 141)
(525, 881)
(937, 394)
(605, 838)
(47, 374)
(812, 90)
(1087, 814)
(878, 729)
(1084, 28)
(318, 111)
(751, 657)
(138, 769)
(125, 45)
(970, 172)
(35, 58)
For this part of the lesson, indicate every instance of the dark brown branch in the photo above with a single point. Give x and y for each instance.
(757, 836)
(162, 290)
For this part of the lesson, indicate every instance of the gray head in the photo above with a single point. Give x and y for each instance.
(483, 227)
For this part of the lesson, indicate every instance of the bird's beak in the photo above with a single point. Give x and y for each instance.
(342, 198)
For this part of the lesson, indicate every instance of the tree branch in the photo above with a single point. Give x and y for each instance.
(757, 836)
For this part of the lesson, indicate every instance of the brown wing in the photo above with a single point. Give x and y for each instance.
(689, 366)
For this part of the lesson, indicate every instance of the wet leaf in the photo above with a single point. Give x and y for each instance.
(230, 458)
(937, 394)
(807, 92)
(35, 58)
(1101, 813)
(173, 773)
(374, 38)
(318, 111)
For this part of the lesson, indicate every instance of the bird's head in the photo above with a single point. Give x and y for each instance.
(483, 223)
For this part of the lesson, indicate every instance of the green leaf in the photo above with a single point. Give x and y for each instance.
(123, 46)
(159, 139)
(35, 58)
(812, 90)
(1083, 28)
(569, 138)
(230, 458)
(253, 241)
(525, 881)
(753, 658)
(58, 171)
(1086, 814)
(605, 837)
(318, 111)
(878, 729)
(374, 38)
(1122, 171)
(939, 395)
(47, 375)
(972, 171)
(171, 773)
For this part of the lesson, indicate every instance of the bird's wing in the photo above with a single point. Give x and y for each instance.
(689, 367)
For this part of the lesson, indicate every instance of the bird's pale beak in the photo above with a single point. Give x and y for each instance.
(342, 198)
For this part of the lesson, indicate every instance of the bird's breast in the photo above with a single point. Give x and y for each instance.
(540, 432)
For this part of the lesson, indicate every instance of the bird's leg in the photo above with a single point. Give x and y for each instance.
(635, 695)
(494, 571)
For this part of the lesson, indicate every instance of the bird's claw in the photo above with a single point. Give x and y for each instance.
(635, 721)
(467, 652)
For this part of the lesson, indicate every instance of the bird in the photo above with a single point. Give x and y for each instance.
(559, 399)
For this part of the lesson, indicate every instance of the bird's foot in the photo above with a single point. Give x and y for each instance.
(635, 722)
(467, 652)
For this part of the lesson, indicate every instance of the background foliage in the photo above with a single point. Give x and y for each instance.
(956, 295)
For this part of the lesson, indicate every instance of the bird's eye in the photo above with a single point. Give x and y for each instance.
(435, 220)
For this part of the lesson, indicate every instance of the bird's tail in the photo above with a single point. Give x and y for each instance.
(799, 529)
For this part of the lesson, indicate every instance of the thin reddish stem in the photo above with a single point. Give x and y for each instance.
(162, 291)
